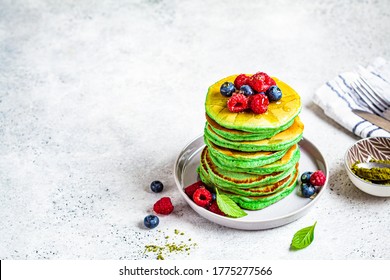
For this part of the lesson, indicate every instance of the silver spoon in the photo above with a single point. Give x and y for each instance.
(370, 165)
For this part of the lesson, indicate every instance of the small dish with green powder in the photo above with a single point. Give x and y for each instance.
(375, 171)
(368, 165)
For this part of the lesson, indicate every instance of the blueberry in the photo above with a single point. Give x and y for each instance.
(151, 221)
(246, 90)
(305, 177)
(213, 196)
(156, 186)
(227, 89)
(274, 93)
(307, 190)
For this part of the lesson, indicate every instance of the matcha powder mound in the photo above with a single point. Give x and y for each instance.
(173, 245)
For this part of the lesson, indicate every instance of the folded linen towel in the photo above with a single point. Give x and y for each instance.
(337, 97)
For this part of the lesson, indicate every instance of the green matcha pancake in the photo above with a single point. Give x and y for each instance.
(257, 203)
(258, 191)
(278, 116)
(281, 141)
(240, 159)
(289, 159)
(239, 135)
(227, 180)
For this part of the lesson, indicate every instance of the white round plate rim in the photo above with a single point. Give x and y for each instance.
(247, 224)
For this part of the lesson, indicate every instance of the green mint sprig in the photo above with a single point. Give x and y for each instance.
(228, 206)
(303, 238)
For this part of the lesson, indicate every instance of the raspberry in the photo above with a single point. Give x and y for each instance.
(250, 98)
(163, 206)
(202, 197)
(241, 80)
(269, 81)
(260, 82)
(237, 103)
(259, 103)
(317, 178)
(192, 188)
(215, 209)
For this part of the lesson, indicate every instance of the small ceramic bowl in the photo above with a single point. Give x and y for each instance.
(363, 150)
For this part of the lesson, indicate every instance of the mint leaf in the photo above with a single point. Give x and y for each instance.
(229, 207)
(303, 238)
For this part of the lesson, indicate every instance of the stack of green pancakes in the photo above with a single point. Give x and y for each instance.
(252, 158)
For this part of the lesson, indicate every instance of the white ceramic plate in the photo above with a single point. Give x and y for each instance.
(283, 212)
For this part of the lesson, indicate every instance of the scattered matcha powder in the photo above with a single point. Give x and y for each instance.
(169, 248)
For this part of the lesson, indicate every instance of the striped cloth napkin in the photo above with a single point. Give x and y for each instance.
(337, 98)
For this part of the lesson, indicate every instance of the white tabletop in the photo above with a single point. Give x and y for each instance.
(98, 98)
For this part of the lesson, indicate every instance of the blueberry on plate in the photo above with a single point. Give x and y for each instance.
(246, 90)
(307, 190)
(151, 221)
(274, 93)
(156, 186)
(227, 89)
(305, 177)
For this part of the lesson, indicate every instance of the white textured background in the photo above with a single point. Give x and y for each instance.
(97, 98)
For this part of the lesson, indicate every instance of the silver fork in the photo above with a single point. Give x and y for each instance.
(374, 101)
